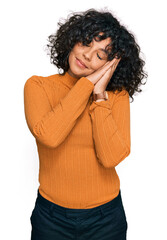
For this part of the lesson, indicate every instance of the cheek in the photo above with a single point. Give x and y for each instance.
(77, 49)
(97, 65)
(71, 57)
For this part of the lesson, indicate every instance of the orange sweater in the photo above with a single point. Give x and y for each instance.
(79, 141)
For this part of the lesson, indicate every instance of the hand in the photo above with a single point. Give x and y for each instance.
(102, 76)
(101, 85)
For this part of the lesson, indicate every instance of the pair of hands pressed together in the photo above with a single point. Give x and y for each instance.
(102, 76)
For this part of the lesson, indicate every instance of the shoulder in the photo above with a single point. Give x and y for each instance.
(51, 80)
(118, 95)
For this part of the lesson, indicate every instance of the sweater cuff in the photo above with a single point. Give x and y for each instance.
(104, 104)
(87, 82)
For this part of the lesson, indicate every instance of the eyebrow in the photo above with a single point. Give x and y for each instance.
(105, 51)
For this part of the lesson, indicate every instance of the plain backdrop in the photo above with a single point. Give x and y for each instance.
(25, 26)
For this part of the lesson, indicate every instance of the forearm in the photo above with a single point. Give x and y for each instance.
(51, 125)
(111, 131)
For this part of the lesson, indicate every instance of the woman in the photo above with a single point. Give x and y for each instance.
(81, 122)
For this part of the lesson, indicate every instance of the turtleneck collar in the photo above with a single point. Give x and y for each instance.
(68, 80)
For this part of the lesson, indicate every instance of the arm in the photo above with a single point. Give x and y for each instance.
(111, 129)
(51, 125)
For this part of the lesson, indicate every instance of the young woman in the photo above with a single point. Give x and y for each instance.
(80, 119)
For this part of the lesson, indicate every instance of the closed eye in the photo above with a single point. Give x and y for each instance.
(87, 45)
(99, 57)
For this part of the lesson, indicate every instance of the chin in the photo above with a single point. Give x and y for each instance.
(73, 73)
(76, 73)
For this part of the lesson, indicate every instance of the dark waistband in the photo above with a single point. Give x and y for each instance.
(46, 203)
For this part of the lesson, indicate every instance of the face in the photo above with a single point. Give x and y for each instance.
(92, 56)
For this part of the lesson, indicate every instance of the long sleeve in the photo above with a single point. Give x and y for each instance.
(51, 125)
(111, 129)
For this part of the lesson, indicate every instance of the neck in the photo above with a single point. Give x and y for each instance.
(72, 74)
(68, 79)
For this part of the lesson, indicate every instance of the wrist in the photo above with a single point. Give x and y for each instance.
(99, 100)
(102, 96)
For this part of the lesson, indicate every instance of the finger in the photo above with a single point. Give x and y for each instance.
(113, 61)
(107, 66)
(108, 75)
(102, 70)
(116, 62)
(113, 67)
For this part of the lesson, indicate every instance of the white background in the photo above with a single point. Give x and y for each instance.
(25, 26)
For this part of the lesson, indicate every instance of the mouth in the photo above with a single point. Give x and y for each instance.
(80, 63)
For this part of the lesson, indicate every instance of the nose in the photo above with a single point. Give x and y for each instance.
(87, 55)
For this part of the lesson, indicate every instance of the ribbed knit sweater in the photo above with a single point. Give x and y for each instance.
(79, 141)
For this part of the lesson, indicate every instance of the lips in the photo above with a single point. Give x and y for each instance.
(81, 62)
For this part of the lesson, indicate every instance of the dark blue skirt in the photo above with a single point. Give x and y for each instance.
(50, 221)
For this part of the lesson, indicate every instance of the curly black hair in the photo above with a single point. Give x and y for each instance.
(85, 26)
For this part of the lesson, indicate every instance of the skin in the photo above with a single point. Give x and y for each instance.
(98, 71)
